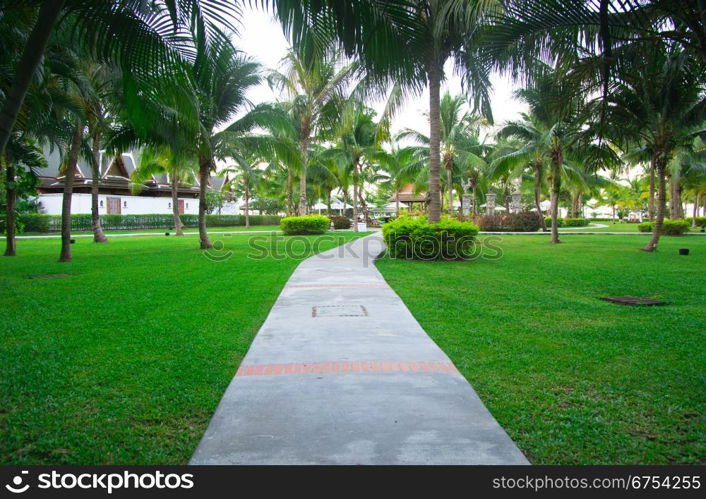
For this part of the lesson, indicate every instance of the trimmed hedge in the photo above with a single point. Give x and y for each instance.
(677, 227)
(35, 222)
(417, 239)
(340, 222)
(700, 221)
(526, 221)
(310, 224)
(569, 222)
(559, 221)
(576, 222)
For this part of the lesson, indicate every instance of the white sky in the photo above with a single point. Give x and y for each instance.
(261, 37)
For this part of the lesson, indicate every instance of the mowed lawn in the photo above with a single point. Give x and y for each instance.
(125, 360)
(571, 378)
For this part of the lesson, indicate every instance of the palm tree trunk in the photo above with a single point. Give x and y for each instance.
(305, 165)
(557, 160)
(661, 163)
(204, 174)
(98, 235)
(696, 211)
(247, 205)
(10, 242)
(290, 194)
(69, 175)
(474, 203)
(355, 194)
(178, 226)
(434, 75)
(328, 201)
(651, 202)
(538, 193)
(449, 180)
(31, 56)
(397, 204)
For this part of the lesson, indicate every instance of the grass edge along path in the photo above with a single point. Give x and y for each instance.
(125, 359)
(573, 379)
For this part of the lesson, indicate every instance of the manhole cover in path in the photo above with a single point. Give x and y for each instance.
(633, 300)
(47, 276)
(339, 311)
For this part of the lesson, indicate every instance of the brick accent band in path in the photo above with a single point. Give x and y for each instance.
(346, 367)
(337, 285)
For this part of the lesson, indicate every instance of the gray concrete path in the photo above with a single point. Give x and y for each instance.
(341, 373)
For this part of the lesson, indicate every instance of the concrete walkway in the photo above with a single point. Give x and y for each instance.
(341, 373)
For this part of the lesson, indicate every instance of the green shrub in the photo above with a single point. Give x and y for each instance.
(415, 238)
(35, 222)
(677, 227)
(575, 222)
(340, 222)
(526, 221)
(310, 224)
(19, 224)
(700, 221)
(559, 221)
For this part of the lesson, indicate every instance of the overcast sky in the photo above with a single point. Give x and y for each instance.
(261, 37)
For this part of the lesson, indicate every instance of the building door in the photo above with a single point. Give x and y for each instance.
(181, 206)
(114, 206)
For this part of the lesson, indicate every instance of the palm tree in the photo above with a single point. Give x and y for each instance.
(180, 168)
(530, 150)
(135, 34)
(407, 43)
(462, 152)
(659, 103)
(315, 85)
(220, 76)
(357, 149)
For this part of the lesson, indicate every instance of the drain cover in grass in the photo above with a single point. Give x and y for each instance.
(47, 276)
(633, 300)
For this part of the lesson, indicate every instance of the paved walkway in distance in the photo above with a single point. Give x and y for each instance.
(341, 373)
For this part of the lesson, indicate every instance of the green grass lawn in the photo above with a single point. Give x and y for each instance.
(612, 227)
(125, 360)
(571, 378)
(239, 228)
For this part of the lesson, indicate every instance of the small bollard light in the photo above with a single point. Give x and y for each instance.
(72, 241)
(166, 233)
(684, 251)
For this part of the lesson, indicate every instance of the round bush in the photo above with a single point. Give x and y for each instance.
(311, 224)
(676, 227)
(417, 239)
(340, 222)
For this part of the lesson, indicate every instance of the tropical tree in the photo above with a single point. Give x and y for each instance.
(163, 160)
(220, 76)
(532, 143)
(659, 103)
(315, 84)
(407, 43)
(357, 149)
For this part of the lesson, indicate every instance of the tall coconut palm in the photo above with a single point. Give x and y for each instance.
(316, 86)
(358, 149)
(462, 152)
(533, 140)
(659, 102)
(407, 42)
(220, 76)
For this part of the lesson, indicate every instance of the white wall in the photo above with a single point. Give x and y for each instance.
(129, 205)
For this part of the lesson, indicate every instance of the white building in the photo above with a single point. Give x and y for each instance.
(116, 194)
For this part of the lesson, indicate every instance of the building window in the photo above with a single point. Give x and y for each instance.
(187, 206)
(170, 205)
(101, 203)
(124, 204)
